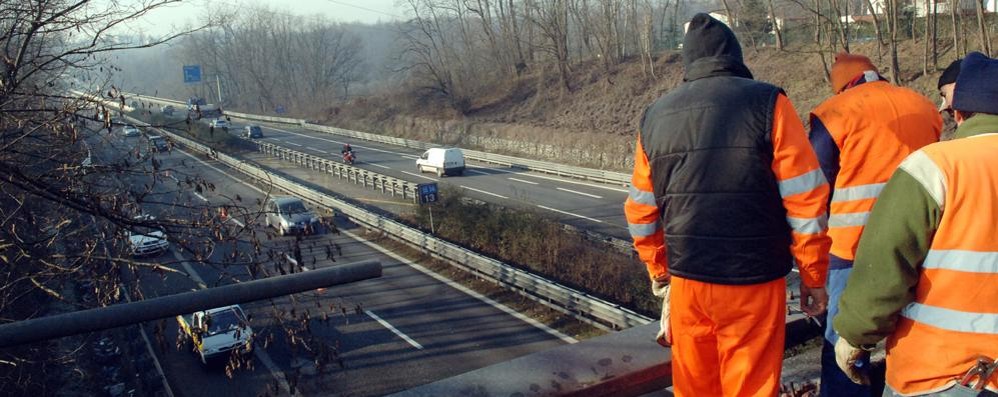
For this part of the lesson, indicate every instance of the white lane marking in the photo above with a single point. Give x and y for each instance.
(466, 290)
(523, 181)
(484, 192)
(236, 221)
(395, 330)
(380, 166)
(478, 172)
(292, 143)
(407, 157)
(451, 283)
(190, 270)
(579, 193)
(292, 260)
(569, 213)
(317, 150)
(575, 183)
(201, 197)
(421, 176)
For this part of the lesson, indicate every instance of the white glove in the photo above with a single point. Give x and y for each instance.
(661, 289)
(847, 356)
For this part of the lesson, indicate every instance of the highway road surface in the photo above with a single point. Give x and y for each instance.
(587, 205)
(407, 328)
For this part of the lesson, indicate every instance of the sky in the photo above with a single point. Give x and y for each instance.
(166, 19)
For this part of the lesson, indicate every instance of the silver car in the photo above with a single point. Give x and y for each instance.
(130, 130)
(288, 214)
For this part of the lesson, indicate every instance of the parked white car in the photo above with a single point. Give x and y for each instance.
(443, 161)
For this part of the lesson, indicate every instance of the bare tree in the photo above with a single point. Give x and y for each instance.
(982, 27)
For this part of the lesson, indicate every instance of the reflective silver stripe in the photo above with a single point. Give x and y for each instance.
(642, 229)
(860, 192)
(802, 183)
(963, 261)
(927, 173)
(642, 197)
(808, 225)
(953, 320)
(849, 219)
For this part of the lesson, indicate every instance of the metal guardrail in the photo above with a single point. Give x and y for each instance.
(585, 307)
(591, 174)
(386, 184)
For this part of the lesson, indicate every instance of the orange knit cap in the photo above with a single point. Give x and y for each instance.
(847, 67)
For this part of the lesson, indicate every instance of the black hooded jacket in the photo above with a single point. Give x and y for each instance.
(710, 151)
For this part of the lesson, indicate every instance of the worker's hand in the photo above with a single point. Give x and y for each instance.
(660, 285)
(850, 360)
(664, 336)
(813, 301)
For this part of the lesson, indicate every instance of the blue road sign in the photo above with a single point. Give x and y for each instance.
(192, 73)
(280, 109)
(427, 193)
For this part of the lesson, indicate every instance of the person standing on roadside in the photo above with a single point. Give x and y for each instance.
(926, 272)
(860, 135)
(726, 194)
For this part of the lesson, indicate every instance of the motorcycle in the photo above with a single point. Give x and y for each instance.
(349, 157)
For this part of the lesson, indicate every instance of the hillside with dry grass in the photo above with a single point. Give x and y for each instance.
(593, 124)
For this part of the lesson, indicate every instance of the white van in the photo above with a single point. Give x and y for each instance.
(443, 161)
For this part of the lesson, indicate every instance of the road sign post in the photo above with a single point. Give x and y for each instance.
(428, 195)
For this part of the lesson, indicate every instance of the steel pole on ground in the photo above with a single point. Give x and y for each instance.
(83, 321)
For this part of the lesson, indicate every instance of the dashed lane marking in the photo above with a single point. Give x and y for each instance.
(484, 192)
(579, 193)
(569, 213)
(523, 181)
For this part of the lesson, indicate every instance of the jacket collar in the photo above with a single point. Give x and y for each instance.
(979, 124)
(716, 66)
(867, 77)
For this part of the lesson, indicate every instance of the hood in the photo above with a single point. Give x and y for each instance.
(302, 217)
(140, 239)
(711, 49)
(225, 339)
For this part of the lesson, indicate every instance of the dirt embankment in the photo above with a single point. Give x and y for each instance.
(594, 124)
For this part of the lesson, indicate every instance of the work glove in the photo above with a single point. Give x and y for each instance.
(850, 360)
(660, 288)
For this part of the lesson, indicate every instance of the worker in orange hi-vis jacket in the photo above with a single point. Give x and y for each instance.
(861, 135)
(726, 194)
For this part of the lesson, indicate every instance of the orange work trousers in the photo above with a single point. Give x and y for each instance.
(727, 340)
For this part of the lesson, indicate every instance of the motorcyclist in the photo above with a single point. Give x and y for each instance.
(348, 155)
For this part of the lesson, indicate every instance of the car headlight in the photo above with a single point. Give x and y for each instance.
(284, 222)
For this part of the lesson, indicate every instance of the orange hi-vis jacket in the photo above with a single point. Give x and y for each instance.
(954, 317)
(801, 185)
(860, 137)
